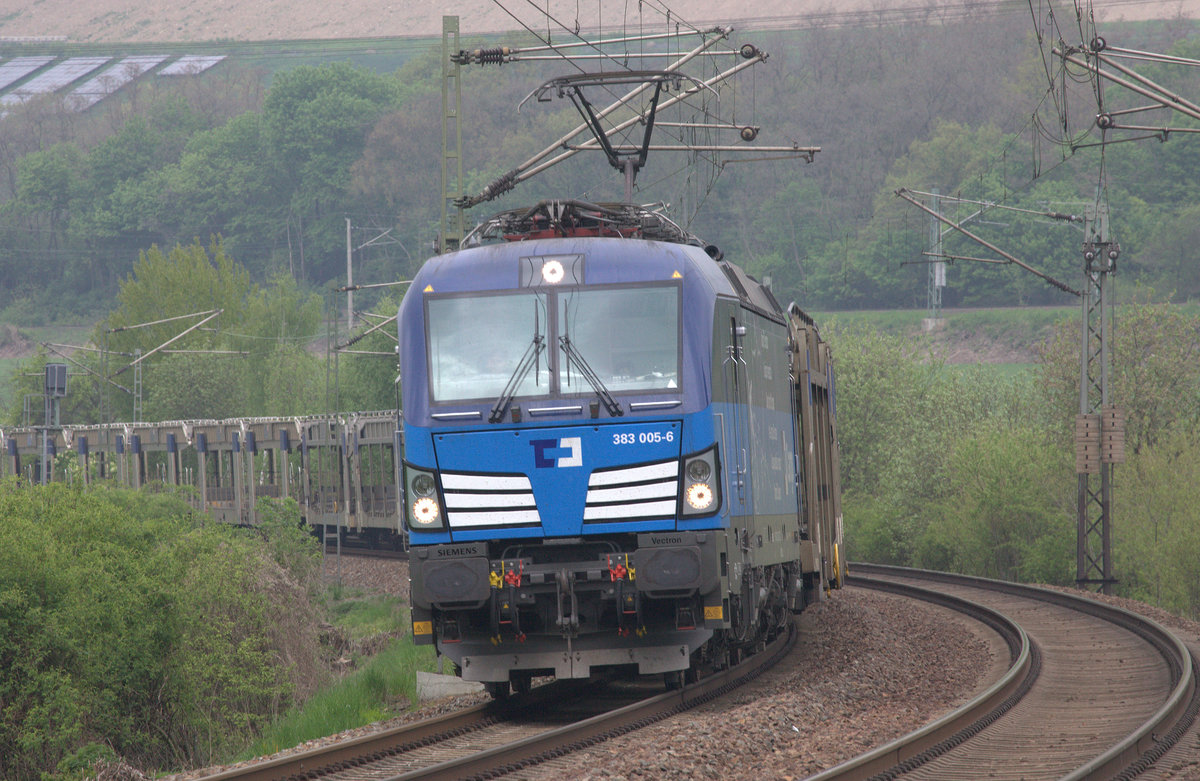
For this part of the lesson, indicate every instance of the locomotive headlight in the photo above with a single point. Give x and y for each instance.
(553, 272)
(424, 510)
(699, 496)
(423, 485)
(425, 513)
(703, 493)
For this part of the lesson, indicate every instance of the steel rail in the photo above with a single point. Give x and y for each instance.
(912, 750)
(352, 752)
(359, 752)
(1140, 748)
(582, 734)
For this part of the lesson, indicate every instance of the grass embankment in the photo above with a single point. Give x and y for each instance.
(380, 685)
(998, 342)
(1023, 325)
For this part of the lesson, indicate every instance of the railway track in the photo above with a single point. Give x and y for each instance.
(1092, 691)
(1087, 691)
(364, 551)
(497, 738)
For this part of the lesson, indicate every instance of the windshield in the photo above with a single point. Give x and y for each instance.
(628, 336)
(476, 344)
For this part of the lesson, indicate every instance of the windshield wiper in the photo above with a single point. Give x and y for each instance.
(610, 404)
(518, 376)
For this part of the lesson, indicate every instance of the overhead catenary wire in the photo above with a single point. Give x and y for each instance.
(532, 167)
(677, 29)
(905, 194)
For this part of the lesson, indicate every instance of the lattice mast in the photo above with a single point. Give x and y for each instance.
(453, 221)
(1099, 427)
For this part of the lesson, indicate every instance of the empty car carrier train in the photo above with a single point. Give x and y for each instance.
(619, 451)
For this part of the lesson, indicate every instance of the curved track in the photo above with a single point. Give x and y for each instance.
(495, 739)
(1103, 694)
(1088, 691)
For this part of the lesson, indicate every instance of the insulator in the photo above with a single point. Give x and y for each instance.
(1104, 121)
(1099, 44)
(749, 133)
(494, 55)
(749, 50)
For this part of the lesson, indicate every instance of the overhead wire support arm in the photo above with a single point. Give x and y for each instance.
(211, 315)
(347, 288)
(1135, 54)
(120, 328)
(946, 257)
(1163, 92)
(527, 169)
(904, 193)
(1146, 88)
(53, 348)
(806, 152)
(364, 334)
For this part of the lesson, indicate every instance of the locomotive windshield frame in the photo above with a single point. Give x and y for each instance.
(544, 342)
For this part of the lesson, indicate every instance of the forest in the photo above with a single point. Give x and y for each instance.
(275, 163)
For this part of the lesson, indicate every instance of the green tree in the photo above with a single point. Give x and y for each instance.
(1156, 527)
(900, 413)
(225, 184)
(253, 344)
(1155, 373)
(316, 121)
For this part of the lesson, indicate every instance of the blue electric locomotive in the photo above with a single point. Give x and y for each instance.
(619, 450)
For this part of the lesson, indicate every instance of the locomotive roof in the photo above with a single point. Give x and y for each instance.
(573, 219)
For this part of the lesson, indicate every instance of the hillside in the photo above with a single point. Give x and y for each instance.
(212, 20)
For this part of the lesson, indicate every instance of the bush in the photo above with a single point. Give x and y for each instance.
(125, 622)
(1156, 525)
(1007, 512)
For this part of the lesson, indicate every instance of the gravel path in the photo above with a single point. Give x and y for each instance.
(376, 576)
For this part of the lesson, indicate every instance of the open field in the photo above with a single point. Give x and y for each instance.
(235, 20)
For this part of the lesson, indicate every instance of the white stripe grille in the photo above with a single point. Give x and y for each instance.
(634, 493)
(452, 481)
(468, 501)
(634, 474)
(630, 512)
(474, 501)
(463, 520)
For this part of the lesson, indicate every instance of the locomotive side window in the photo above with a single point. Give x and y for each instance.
(468, 360)
(628, 336)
